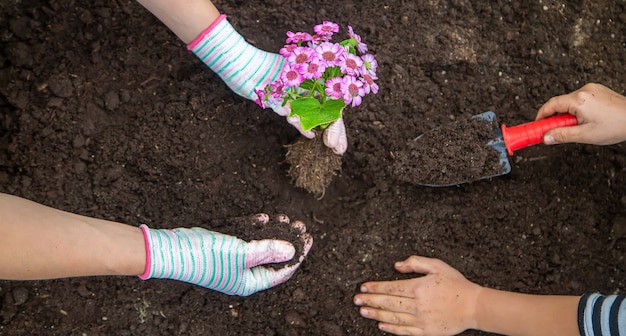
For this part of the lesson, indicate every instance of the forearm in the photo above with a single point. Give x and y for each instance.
(39, 242)
(510, 313)
(187, 19)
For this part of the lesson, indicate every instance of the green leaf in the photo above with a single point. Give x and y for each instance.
(307, 84)
(313, 114)
(332, 72)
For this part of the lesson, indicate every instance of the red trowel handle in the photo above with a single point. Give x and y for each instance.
(528, 134)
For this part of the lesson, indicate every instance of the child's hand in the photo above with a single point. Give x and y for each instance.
(443, 302)
(601, 115)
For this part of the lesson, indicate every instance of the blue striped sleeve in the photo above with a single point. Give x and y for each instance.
(602, 315)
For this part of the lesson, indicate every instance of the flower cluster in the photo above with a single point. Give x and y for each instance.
(320, 78)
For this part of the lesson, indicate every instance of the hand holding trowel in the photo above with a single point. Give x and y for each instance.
(458, 157)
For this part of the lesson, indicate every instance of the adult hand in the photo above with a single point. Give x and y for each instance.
(334, 135)
(221, 262)
(443, 302)
(601, 115)
(245, 68)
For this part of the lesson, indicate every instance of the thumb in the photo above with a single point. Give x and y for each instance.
(268, 251)
(563, 135)
(284, 111)
(335, 137)
(295, 122)
(417, 264)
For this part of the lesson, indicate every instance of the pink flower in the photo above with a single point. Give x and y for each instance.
(350, 64)
(287, 50)
(329, 53)
(301, 55)
(298, 37)
(260, 97)
(277, 89)
(368, 83)
(333, 87)
(360, 46)
(291, 75)
(370, 64)
(317, 39)
(353, 90)
(313, 69)
(326, 28)
(323, 70)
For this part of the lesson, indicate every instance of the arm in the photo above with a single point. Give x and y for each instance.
(187, 19)
(601, 115)
(511, 313)
(39, 242)
(242, 66)
(444, 302)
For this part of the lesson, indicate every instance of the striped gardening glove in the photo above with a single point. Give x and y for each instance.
(244, 68)
(221, 262)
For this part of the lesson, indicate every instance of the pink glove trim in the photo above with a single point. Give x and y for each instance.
(146, 273)
(206, 32)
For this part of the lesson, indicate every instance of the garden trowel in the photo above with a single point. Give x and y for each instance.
(507, 140)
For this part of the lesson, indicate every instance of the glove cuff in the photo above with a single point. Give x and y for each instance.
(206, 32)
(146, 237)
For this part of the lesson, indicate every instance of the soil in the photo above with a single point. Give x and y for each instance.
(105, 113)
(455, 153)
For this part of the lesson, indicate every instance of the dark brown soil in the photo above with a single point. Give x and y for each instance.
(106, 114)
(452, 154)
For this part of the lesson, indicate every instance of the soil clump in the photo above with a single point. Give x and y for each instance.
(454, 153)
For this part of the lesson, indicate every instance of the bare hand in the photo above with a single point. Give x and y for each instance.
(601, 115)
(443, 302)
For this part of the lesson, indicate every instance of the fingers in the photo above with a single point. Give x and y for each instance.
(392, 322)
(400, 304)
(577, 102)
(418, 264)
(413, 264)
(281, 110)
(266, 251)
(260, 278)
(335, 137)
(295, 122)
(563, 135)
(279, 276)
(400, 329)
(260, 219)
(556, 105)
(394, 287)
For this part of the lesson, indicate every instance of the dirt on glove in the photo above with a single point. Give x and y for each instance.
(249, 228)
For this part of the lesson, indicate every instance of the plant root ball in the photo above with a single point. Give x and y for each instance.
(312, 165)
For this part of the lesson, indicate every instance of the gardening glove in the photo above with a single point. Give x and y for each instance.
(335, 137)
(244, 67)
(221, 262)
